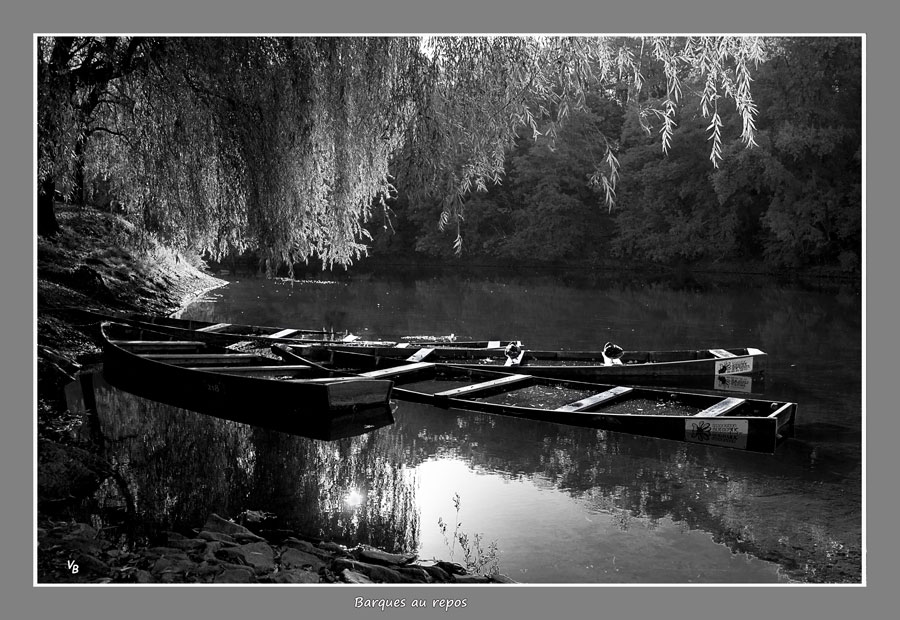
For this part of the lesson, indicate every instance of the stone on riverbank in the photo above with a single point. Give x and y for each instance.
(294, 558)
(353, 577)
(238, 533)
(216, 537)
(235, 575)
(206, 559)
(370, 554)
(297, 575)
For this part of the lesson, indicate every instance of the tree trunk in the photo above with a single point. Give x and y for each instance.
(78, 193)
(47, 225)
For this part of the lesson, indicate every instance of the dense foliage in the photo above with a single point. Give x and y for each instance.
(289, 146)
(793, 199)
(798, 198)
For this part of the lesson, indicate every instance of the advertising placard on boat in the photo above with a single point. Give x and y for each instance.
(733, 366)
(725, 432)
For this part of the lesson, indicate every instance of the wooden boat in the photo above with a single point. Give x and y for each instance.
(229, 333)
(737, 370)
(741, 423)
(245, 387)
(81, 397)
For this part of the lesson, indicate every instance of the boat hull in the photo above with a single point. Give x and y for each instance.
(242, 397)
(734, 422)
(750, 433)
(340, 424)
(737, 370)
(225, 334)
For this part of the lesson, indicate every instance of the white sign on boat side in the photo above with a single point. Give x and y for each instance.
(734, 365)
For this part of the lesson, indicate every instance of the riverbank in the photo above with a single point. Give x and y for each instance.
(228, 551)
(98, 261)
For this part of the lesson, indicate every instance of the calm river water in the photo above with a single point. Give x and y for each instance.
(562, 504)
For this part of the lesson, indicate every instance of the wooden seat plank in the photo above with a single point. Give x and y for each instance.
(419, 355)
(284, 333)
(596, 399)
(214, 328)
(396, 370)
(486, 385)
(159, 343)
(225, 356)
(204, 358)
(331, 380)
(780, 410)
(722, 353)
(169, 346)
(254, 370)
(721, 408)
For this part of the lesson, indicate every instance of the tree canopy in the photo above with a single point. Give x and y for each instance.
(793, 200)
(289, 145)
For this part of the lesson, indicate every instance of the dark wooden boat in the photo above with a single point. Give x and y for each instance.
(81, 397)
(229, 333)
(246, 387)
(737, 370)
(741, 423)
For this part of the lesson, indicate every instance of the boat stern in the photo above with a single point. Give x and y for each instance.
(357, 393)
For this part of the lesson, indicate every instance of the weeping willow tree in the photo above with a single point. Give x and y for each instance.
(288, 145)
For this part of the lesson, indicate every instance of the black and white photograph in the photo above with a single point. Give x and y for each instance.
(493, 310)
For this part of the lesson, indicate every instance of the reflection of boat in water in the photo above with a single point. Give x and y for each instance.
(735, 422)
(245, 387)
(345, 425)
(80, 396)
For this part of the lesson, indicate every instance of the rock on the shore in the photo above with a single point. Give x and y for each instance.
(377, 556)
(293, 576)
(217, 525)
(294, 558)
(218, 555)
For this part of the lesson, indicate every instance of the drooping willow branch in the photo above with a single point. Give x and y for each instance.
(285, 145)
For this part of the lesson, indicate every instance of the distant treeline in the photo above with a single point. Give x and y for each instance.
(794, 200)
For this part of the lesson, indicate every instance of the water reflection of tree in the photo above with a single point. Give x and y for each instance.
(730, 494)
(181, 466)
(351, 490)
